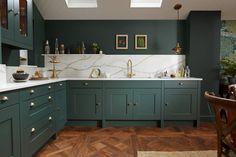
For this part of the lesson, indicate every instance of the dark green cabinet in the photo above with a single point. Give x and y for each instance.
(85, 104)
(118, 104)
(180, 104)
(132, 104)
(60, 106)
(10, 131)
(17, 23)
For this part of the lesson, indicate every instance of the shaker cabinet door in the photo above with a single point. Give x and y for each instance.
(118, 104)
(9, 132)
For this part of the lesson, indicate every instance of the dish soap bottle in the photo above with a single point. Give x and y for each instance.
(47, 48)
(187, 71)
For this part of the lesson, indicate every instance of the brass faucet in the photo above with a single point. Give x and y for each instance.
(130, 69)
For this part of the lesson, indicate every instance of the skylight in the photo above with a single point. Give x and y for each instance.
(81, 3)
(145, 3)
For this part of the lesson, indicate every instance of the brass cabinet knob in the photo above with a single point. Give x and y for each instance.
(49, 98)
(32, 104)
(181, 83)
(86, 84)
(33, 130)
(3, 98)
(60, 84)
(31, 91)
(49, 87)
(50, 118)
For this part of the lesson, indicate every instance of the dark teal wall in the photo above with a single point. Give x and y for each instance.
(35, 57)
(161, 34)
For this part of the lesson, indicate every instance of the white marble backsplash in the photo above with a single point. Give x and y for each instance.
(3, 78)
(75, 65)
(12, 69)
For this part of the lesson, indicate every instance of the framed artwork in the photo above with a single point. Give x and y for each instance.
(121, 41)
(140, 41)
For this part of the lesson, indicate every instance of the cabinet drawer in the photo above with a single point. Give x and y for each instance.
(35, 136)
(86, 84)
(181, 84)
(8, 98)
(59, 85)
(36, 91)
(34, 109)
(133, 84)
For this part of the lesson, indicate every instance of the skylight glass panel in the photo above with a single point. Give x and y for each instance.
(145, 3)
(81, 3)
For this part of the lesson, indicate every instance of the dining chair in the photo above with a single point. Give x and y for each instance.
(225, 117)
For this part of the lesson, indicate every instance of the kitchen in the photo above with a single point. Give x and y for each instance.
(110, 69)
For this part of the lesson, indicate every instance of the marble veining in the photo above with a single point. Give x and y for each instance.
(75, 65)
(3, 79)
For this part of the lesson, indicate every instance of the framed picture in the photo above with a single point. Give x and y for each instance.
(140, 41)
(121, 41)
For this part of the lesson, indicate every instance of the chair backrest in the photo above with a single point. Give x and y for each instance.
(225, 112)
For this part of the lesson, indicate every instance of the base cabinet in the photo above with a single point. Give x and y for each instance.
(85, 104)
(10, 131)
(132, 104)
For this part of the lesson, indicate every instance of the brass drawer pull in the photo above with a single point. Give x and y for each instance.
(49, 87)
(31, 91)
(50, 118)
(33, 130)
(32, 104)
(3, 98)
(181, 83)
(60, 84)
(86, 84)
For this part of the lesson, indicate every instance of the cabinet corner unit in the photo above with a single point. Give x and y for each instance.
(17, 23)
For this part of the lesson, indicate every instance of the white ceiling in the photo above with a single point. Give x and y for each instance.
(120, 10)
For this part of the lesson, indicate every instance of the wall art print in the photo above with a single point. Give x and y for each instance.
(121, 41)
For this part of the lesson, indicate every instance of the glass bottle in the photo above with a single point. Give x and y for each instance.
(47, 48)
(56, 47)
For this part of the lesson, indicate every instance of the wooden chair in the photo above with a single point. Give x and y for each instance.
(225, 116)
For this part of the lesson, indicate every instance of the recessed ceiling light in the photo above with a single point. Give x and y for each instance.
(145, 3)
(81, 3)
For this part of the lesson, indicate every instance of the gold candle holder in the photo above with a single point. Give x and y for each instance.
(53, 61)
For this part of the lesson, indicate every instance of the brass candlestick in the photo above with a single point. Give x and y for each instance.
(54, 61)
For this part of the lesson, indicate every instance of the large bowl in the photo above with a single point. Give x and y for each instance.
(19, 76)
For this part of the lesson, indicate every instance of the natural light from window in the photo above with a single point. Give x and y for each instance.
(81, 3)
(145, 3)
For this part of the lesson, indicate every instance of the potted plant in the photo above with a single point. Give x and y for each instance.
(228, 65)
(95, 47)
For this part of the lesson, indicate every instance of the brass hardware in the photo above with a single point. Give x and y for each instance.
(181, 83)
(86, 84)
(60, 84)
(130, 69)
(3, 98)
(49, 87)
(33, 130)
(49, 97)
(50, 118)
(31, 91)
(32, 104)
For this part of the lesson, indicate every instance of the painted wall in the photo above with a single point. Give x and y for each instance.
(162, 34)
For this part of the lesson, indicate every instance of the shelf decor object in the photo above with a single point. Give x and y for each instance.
(53, 61)
(121, 41)
(140, 41)
(178, 49)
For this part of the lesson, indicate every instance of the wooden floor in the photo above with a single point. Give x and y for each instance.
(125, 142)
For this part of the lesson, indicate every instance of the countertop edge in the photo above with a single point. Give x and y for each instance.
(16, 86)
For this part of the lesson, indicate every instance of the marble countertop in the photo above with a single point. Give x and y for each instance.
(14, 86)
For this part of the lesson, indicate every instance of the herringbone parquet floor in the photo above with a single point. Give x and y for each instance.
(125, 142)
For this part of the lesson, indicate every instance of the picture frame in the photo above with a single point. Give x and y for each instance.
(121, 41)
(140, 41)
